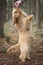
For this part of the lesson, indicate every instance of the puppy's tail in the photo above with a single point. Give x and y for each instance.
(14, 48)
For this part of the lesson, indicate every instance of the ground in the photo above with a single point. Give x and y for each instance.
(36, 54)
(12, 59)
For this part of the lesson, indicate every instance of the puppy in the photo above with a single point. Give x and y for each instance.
(22, 22)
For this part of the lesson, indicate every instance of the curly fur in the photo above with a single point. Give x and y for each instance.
(22, 23)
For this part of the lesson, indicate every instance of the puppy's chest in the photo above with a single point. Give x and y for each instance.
(24, 37)
(22, 25)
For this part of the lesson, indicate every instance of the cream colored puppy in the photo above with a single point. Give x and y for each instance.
(22, 22)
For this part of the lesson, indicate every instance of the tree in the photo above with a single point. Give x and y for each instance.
(2, 16)
(38, 13)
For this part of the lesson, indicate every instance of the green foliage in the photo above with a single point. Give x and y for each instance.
(7, 39)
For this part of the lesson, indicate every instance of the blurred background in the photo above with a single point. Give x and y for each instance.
(7, 28)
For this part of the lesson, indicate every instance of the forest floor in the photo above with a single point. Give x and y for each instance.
(36, 54)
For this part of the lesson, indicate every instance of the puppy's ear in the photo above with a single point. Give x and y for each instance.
(13, 10)
(29, 18)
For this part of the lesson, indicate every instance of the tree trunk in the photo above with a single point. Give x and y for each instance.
(38, 13)
(29, 6)
(2, 16)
